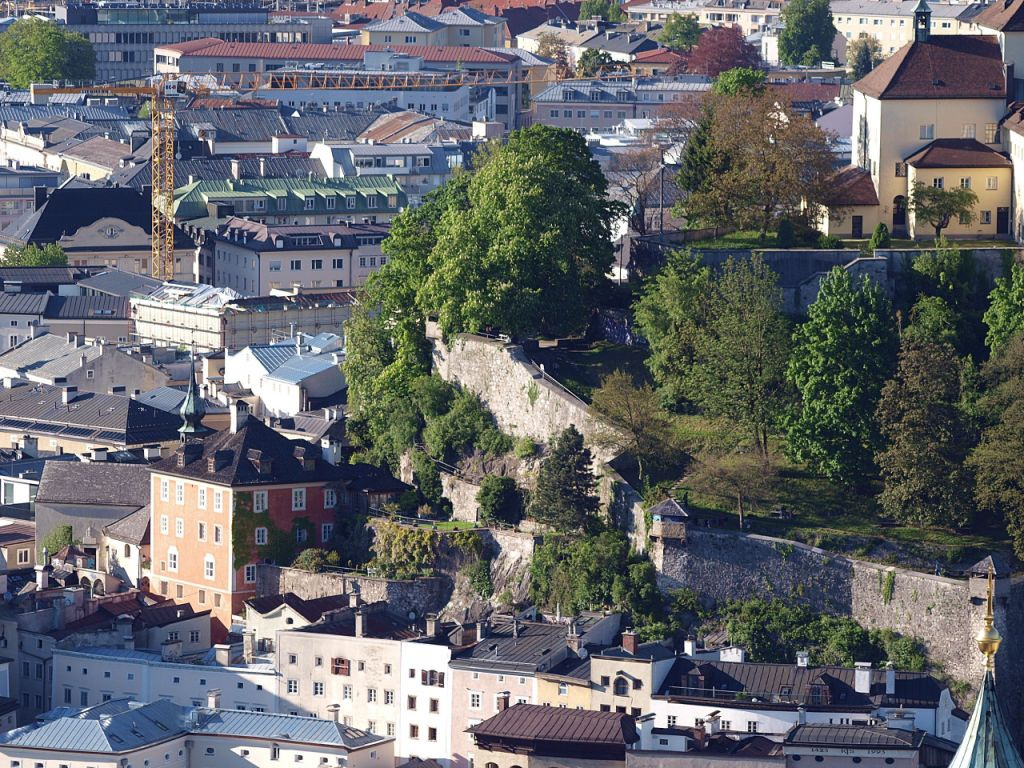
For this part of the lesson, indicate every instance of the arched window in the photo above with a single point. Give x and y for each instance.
(127, 550)
(491, 765)
(621, 686)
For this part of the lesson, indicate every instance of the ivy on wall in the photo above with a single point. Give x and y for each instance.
(407, 551)
(282, 546)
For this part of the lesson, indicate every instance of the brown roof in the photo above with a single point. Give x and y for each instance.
(853, 186)
(310, 610)
(944, 67)
(533, 722)
(957, 153)
(1002, 16)
(659, 56)
(327, 52)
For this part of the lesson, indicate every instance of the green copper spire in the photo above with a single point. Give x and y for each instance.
(193, 409)
(987, 742)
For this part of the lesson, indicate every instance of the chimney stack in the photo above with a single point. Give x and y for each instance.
(890, 680)
(803, 659)
(433, 625)
(236, 168)
(30, 446)
(248, 645)
(333, 710)
(360, 623)
(68, 394)
(213, 698)
(629, 642)
(503, 699)
(862, 677)
(239, 415)
(42, 575)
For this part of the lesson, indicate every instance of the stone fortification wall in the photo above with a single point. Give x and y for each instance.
(944, 613)
(524, 401)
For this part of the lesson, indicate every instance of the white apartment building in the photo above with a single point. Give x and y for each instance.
(892, 24)
(95, 675)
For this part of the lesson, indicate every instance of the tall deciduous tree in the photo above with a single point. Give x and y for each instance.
(842, 357)
(720, 49)
(808, 33)
(740, 80)
(936, 206)
(633, 178)
(927, 442)
(609, 10)
(779, 163)
(701, 164)
(741, 357)
(1005, 315)
(863, 55)
(594, 63)
(35, 51)
(565, 497)
(671, 314)
(553, 47)
(534, 244)
(681, 31)
(638, 425)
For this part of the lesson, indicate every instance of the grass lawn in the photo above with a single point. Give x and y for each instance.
(929, 244)
(740, 239)
(448, 525)
(581, 370)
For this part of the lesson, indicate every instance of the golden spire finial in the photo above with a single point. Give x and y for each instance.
(989, 637)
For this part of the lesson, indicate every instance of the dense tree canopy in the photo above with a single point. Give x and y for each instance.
(842, 357)
(863, 55)
(50, 255)
(720, 49)
(594, 63)
(740, 80)
(681, 31)
(37, 51)
(553, 47)
(638, 426)
(609, 10)
(937, 206)
(565, 497)
(927, 439)
(1005, 315)
(808, 33)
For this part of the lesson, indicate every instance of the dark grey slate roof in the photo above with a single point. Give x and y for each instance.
(133, 528)
(117, 282)
(23, 303)
(855, 736)
(102, 483)
(88, 308)
(35, 276)
(522, 648)
(232, 125)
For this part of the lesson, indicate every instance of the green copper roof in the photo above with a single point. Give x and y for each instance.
(987, 742)
(192, 409)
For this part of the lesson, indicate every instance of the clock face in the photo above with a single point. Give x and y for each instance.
(111, 232)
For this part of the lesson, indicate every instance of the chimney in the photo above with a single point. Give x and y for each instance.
(222, 655)
(575, 639)
(151, 452)
(862, 677)
(239, 415)
(803, 659)
(629, 641)
(118, 390)
(483, 629)
(360, 623)
(700, 735)
(690, 646)
(68, 394)
(890, 680)
(713, 723)
(42, 576)
(83, 360)
(213, 698)
(249, 645)
(433, 625)
(99, 454)
(30, 446)
(801, 715)
(263, 167)
(333, 710)
(503, 699)
(236, 168)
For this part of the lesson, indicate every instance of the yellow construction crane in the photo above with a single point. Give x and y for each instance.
(163, 93)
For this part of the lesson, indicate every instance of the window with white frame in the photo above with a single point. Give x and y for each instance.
(172, 559)
(218, 501)
(218, 534)
(165, 489)
(939, 182)
(318, 688)
(202, 531)
(250, 574)
(293, 686)
(965, 182)
(927, 131)
(346, 692)
(474, 700)
(179, 527)
(179, 493)
(330, 498)
(209, 568)
(261, 536)
(201, 497)
(992, 182)
(259, 501)
(968, 131)
(164, 524)
(326, 531)
(298, 499)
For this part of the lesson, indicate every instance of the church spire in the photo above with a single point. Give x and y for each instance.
(193, 409)
(987, 742)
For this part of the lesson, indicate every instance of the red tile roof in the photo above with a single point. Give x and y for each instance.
(958, 153)
(659, 56)
(532, 722)
(804, 92)
(214, 48)
(944, 67)
(1002, 17)
(520, 15)
(853, 186)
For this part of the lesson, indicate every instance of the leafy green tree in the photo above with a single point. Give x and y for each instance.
(952, 274)
(741, 357)
(609, 10)
(808, 30)
(499, 500)
(701, 163)
(841, 358)
(681, 31)
(36, 51)
(863, 55)
(740, 80)
(936, 206)
(927, 441)
(594, 63)
(50, 255)
(56, 539)
(1005, 315)
(513, 260)
(998, 460)
(316, 560)
(879, 238)
(565, 496)
(932, 320)
(671, 313)
(638, 426)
